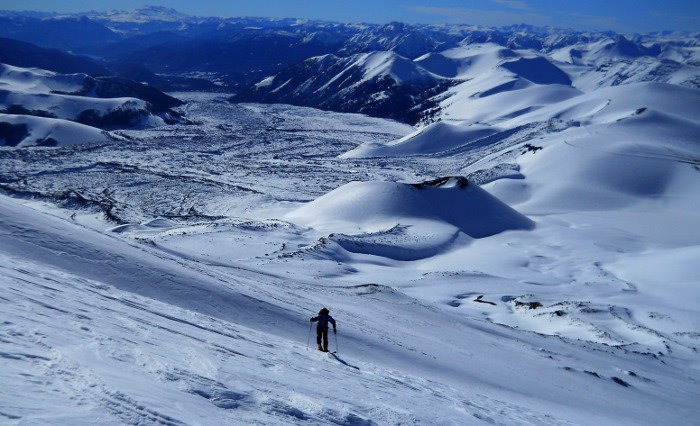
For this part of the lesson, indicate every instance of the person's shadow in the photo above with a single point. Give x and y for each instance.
(342, 361)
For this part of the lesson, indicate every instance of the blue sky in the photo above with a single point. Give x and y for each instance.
(618, 15)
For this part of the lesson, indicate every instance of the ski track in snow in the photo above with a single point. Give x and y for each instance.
(125, 358)
(200, 318)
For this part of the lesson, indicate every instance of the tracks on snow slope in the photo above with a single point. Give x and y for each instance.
(202, 308)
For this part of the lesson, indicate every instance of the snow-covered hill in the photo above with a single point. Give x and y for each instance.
(408, 221)
(494, 105)
(438, 137)
(92, 103)
(25, 130)
(632, 143)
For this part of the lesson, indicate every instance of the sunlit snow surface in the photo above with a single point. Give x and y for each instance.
(50, 109)
(169, 279)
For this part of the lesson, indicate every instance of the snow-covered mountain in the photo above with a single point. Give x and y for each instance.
(520, 248)
(471, 74)
(379, 83)
(56, 32)
(235, 53)
(140, 16)
(405, 221)
(406, 40)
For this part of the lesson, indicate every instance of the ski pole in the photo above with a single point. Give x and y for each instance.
(308, 339)
(335, 333)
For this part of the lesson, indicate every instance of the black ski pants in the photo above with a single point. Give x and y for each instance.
(322, 334)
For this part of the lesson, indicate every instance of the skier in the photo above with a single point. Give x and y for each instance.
(322, 328)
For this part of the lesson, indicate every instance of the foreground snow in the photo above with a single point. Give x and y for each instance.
(100, 330)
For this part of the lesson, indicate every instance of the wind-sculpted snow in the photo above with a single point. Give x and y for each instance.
(434, 138)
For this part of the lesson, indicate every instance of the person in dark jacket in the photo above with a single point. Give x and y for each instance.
(322, 328)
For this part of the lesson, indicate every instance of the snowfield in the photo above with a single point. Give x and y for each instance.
(170, 279)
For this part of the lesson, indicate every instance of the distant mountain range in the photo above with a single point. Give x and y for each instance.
(395, 70)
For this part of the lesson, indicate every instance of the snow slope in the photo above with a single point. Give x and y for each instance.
(171, 279)
(241, 351)
(382, 82)
(437, 137)
(81, 98)
(70, 107)
(628, 143)
(499, 82)
(25, 130)
(33, 80)
(555, 108)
